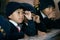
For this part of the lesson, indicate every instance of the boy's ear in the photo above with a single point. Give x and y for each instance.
(9, 16)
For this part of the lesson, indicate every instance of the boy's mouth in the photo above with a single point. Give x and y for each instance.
(20, 18)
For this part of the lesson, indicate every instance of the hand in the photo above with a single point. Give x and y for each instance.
(28, 15)
(42, 34)
(51, 15)
(36, 18)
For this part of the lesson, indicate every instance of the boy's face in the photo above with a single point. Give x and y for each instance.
(49, 10)
(17, 16)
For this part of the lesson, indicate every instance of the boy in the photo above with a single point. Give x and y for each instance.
(30, 28)
(46, 13)
(15, 15)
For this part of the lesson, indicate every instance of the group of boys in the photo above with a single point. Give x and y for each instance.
(22, 20)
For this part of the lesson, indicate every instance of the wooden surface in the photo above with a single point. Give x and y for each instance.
(49, 35)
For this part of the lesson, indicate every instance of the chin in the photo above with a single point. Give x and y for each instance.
(20, 21)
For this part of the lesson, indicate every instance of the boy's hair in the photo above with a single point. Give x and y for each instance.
(46, 4)
(59, 5)
(29, 7)
(11, 7)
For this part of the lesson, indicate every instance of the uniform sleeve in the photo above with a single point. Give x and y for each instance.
(30, 29)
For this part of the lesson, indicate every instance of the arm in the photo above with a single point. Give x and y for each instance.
(30, 28)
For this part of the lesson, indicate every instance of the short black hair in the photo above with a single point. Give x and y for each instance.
(46, 4)
(12, 6)
(29, 7)
(59, 5)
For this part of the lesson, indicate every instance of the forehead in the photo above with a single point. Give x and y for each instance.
(49, 8)
(19, 10)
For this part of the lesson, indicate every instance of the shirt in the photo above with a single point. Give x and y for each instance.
(44, 16)
(15, 24)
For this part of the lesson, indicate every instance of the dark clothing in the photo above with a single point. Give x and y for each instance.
(4, 25)
(14, 34)
(47, 23)
(10, 30)
(26, 29)
(56, 24)
(1, 36)
(30, 29)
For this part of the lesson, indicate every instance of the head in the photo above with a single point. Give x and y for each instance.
(14, 11)
(28, 9)
(47, 6)
(17, 16)
(47, 11)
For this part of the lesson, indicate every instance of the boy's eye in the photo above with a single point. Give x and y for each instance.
(23, 12)
(18, 12)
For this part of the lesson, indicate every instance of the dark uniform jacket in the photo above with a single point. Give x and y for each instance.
(11, 32)
(4, 28)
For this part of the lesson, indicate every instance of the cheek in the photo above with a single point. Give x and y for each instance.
(16, 18)
(47, 12)
(21, 18)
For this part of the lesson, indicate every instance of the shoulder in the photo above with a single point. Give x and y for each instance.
(4, 25)
(2, 31)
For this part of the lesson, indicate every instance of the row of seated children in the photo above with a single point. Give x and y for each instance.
(22, 21)
(19, 21)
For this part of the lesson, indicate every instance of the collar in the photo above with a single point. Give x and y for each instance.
(43, 15)
(13, 22)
